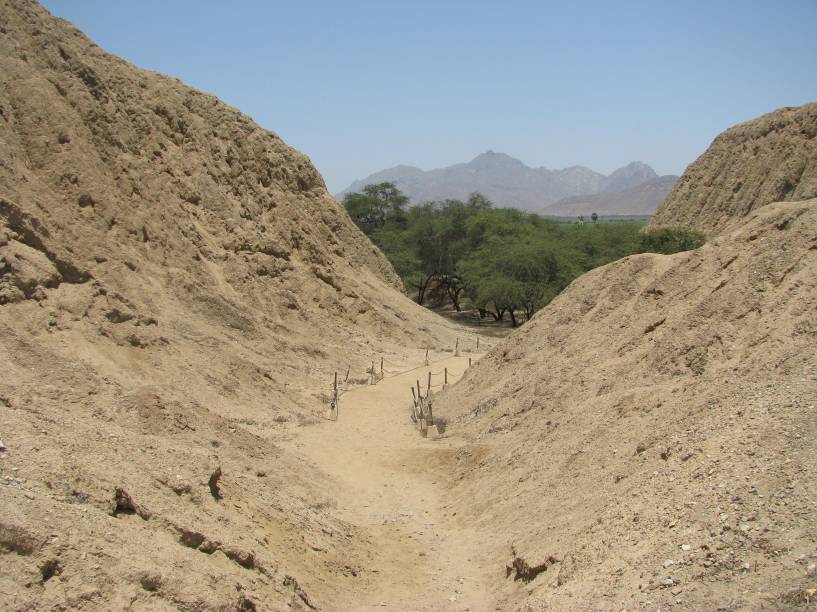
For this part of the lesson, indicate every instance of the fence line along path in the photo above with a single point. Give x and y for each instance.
(384, 484)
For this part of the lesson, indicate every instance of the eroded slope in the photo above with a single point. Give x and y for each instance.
(770, 159)
(649, 437)
(176, 290)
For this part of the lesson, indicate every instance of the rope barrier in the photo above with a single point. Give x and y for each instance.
(338, 390)
(396, 374)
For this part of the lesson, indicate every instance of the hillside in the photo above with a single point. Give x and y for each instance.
(506, 181)
(653, 430)
(177, 289)
(643, 199)
(648, 439)
(770, 159)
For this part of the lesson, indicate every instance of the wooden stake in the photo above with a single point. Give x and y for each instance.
(445, 380)
(477, 342)
(413, 395)
(374, 375)
(419, 404)
(457, 348)
(429, 384)
(335, 400)
(347, 373)
(381, 368)
(426, 356)
(469, 362)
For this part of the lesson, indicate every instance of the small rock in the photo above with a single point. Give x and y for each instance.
(123, 504)
(668, 582)
(215, 491)
(242, 557)
(50, 568)
(686, 547)
(150, 581)
(669, 563)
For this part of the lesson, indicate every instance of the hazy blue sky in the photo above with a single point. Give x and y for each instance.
(364, 85)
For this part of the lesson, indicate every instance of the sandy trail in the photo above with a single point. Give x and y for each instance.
(387, 475)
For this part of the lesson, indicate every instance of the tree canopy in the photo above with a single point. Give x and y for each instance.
(501, 261)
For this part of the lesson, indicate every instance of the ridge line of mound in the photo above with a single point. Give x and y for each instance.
(769, 159)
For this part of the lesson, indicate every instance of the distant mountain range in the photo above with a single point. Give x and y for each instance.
(643, 199)
(506, 181)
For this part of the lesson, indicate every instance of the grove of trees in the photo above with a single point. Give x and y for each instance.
(500, 261)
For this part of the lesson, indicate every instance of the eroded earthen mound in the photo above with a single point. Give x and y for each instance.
(770, 159)
(654, 428)
(177, 289)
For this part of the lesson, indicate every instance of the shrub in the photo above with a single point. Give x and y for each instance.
(668, 240)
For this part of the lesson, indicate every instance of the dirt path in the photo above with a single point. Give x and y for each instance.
(377, 457)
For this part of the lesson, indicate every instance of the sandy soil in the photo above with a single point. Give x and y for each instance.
(388, 483)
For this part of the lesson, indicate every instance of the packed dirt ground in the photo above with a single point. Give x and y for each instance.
(177, 291)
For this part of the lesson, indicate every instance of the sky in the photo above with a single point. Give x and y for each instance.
(364, 85)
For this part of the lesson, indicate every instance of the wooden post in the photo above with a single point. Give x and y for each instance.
(469, 362)
(477, 342)
(381, 368)
(420, 415)
(457, 348)
(347, 373)
(429, 384)
(426, 356)
(413, 395)
(374, 375)
(445, 380)
(336, 399)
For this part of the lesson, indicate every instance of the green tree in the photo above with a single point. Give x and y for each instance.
(501, 261)
(376, 205)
